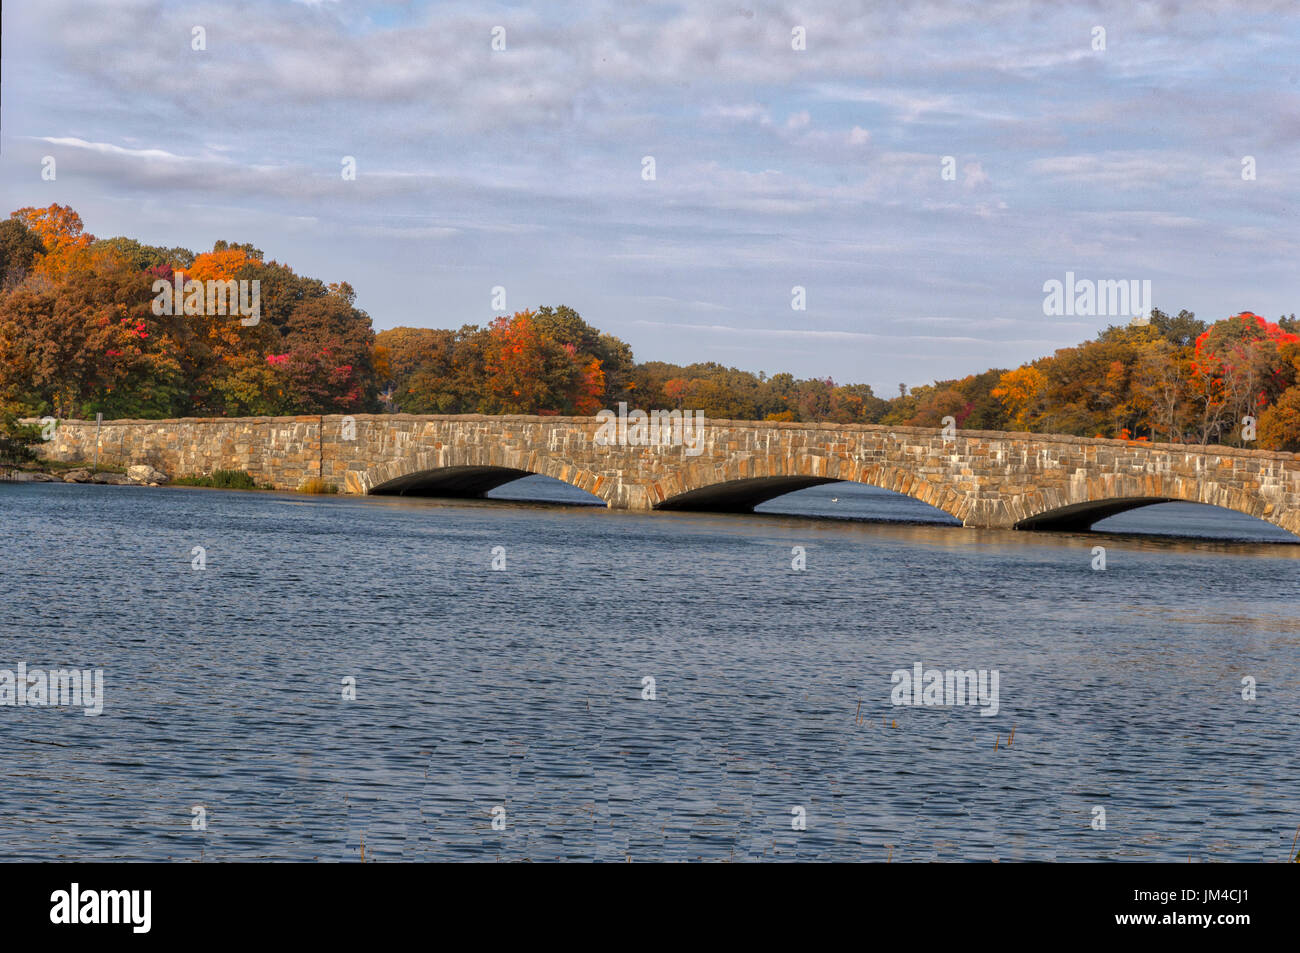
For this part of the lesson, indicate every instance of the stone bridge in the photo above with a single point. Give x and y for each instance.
(984, 479)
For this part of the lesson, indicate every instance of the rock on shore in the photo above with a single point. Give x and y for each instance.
(142, 473)
(138, 475)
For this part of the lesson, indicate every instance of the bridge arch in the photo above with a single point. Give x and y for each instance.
(469, 471)
(740, 484)
(1088, 501)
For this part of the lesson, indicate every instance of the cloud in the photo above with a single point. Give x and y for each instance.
(775, 167)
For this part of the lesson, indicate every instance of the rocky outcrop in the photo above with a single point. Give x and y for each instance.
(29, 476)
(137, 475)
(143, 473)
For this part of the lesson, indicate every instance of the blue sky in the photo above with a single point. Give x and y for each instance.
(774, 167)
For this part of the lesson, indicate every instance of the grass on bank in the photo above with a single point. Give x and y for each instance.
(222, 480)
(66, 466)
(317, 485)
(241, 480)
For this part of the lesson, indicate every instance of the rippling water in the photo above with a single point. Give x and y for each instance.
(522, 689)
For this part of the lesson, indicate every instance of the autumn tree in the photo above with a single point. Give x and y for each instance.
(1237, 370)
(78, 332)
(970, 401)
(90, 344)
(78, 335)
(1160, 389)
(62, 234)
(1279, 423)
(20, 246)
(431, 370)
(1021, 392)
(675, 390)
(529, 372)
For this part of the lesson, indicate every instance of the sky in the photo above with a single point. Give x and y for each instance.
(1115, 155)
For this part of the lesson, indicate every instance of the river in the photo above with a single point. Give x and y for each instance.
(509, 714)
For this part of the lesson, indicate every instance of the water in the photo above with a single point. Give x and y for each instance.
(522, 689)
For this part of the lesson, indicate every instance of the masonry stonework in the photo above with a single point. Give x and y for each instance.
(984, 479)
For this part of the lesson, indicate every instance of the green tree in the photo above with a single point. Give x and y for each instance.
(1181, 330)
(16, 439)
(143, 257)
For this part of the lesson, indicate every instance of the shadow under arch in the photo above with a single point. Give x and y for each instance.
(1080, 517)
(742, 494)
(1167, 517)
(476, 482)
(1121, 493)
(471, 472)
(849, 501)
(448, 481)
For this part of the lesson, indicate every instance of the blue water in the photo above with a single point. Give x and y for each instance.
(522, 689)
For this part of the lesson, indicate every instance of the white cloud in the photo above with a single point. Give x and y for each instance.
(774, 167)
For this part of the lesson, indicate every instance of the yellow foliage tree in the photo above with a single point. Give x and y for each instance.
(1017, 391)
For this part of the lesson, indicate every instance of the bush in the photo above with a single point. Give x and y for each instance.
(16, 441)
(317, 485)
(221, 480)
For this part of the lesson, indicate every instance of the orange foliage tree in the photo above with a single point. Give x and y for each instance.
(60, 229)
(528, 372)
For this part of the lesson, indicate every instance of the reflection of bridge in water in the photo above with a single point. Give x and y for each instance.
(982, 478)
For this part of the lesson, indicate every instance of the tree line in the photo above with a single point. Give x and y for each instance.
(79, 335)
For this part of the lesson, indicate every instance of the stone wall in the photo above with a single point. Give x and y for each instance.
(982, 478)
(283, 451)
